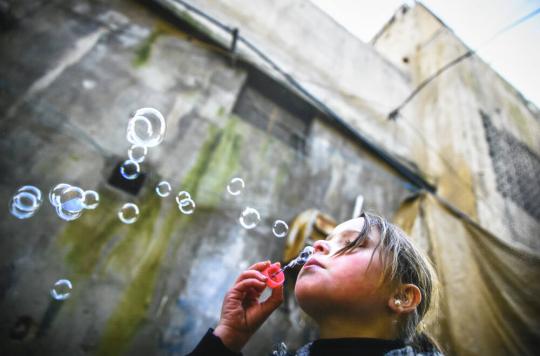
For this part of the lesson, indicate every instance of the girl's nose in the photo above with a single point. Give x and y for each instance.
(321, 246)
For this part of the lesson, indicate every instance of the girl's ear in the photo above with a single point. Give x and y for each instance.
(405, 299)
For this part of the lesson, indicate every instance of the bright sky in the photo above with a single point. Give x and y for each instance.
(514, 54)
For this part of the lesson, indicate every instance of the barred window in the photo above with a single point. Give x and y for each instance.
(517, 168)
(272, 108)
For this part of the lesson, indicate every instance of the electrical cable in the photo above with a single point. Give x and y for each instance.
(395, 113)
(399, 167)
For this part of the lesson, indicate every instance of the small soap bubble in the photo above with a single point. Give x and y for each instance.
(129, 213)
(66, 214)
(56, 191)
(187, 206)
(18, 213)
(163, 189)
(249, 218)
(130, 169)
(61, 289)
(183, 195)
(91, 199)
(280, 350)
(137, 153)
(305, 254)
(146, 128)
(280, 228)
(235, 186)
(25, 202)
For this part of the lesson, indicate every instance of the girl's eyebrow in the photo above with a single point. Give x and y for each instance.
(332, 235)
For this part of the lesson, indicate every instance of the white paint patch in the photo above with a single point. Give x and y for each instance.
(72, 56)
(88, 84)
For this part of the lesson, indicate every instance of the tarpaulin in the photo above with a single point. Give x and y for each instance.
(490, 288)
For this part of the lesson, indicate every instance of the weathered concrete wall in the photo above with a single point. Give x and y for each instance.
(480, 137)
(71, 73)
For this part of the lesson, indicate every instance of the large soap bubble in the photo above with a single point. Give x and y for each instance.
(146, 128)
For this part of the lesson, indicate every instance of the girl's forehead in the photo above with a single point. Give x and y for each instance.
(355, 224)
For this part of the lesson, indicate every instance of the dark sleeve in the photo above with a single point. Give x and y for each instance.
(211, 345)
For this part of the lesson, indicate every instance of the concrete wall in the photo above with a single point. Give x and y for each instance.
(71, 74)
(476, 136)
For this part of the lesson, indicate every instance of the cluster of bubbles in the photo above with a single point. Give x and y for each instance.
(70, 201)
(25, 202)
(185, 204)
(61, 289)
(146, 129)
(250, 217)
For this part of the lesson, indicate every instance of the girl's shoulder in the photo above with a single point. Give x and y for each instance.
(406, 351)
(409, 351)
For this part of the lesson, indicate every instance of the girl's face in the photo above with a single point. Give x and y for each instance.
(343, 284)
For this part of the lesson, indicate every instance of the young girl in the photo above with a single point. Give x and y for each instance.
(366, 286)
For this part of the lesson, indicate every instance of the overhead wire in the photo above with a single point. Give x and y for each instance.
(470, 52)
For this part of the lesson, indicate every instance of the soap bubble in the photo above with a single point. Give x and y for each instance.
(56, 191)
(137, 153)
(305, 254)
(25, 202)
(146, 127)
(66, 214)
(280, 228)
(130, 169)
(163, 189)
(249, 218)
(280, 350)
(91, 199)
(129, 213)
(183, 195)
(71, 199)
(61, 289)
(235, 186)
(187, 206)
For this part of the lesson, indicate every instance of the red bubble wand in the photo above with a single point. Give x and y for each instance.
(275, 275)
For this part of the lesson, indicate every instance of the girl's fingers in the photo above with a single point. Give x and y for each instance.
(245, 285)
(259, 266)
(275, 299)
(251, 274)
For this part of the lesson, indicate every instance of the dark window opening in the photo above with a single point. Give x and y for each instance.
(517, 168)
(275, 109)
(132, 186)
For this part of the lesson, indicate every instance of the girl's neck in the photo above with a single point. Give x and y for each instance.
(336, 327)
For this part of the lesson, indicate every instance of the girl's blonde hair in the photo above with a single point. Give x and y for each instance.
(403, 263)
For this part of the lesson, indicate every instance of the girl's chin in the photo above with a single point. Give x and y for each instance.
(309, 288)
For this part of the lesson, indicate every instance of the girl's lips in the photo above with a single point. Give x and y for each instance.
(313, 262)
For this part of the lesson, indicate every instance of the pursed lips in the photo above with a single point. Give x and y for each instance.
(313, 262)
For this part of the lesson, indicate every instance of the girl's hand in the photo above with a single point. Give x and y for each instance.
(241, 313)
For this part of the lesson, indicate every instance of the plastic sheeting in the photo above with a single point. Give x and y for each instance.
(490, 289)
